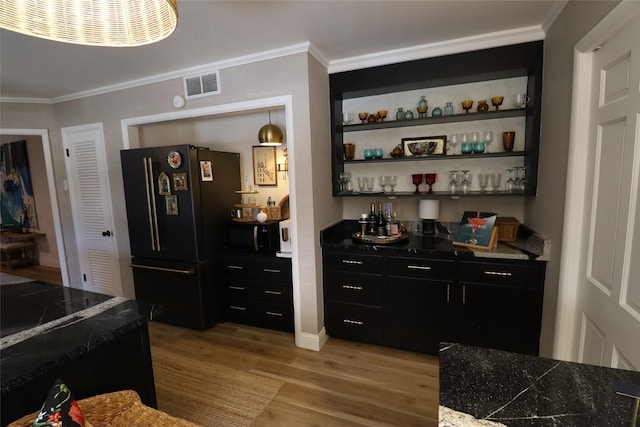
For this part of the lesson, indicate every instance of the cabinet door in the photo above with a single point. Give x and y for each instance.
(500, 317)
(413, 313)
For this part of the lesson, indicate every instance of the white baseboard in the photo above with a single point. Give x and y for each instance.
(311, 341)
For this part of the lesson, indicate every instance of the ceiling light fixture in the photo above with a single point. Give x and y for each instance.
(116, 23)
(270, 135)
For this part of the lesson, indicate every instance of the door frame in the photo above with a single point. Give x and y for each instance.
(53, 195)
(567, 321)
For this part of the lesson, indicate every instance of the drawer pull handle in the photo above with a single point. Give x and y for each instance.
(418, 267)
(351, 287)
(497, 273)
(273, 292)
(237, 288)
(270, 270)
(448, 292)
(350, 261)
(235, 307)
(271, 313)
(353, 322)
(235, 267)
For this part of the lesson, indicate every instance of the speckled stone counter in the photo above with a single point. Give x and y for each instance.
(95, 343)
(528, 246)
(501, 388)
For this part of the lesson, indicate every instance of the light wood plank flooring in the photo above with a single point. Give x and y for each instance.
(37, 272)
(344, 384)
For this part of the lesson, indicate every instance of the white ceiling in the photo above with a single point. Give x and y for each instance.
(217, 32)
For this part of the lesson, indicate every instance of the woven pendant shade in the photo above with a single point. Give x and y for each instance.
(116, 23)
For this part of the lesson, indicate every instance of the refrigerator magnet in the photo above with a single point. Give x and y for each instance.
(174, 159)
(206, 170)
(164, 185)
(172, 205)
(180, 182)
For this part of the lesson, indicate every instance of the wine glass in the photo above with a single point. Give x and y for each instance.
(345, 180)
(383, 182)
(466, 105)
(510, 185)
(495, 181)
(454, 140)
(363, 116)
(453, 181)
(391, 182)
(487, 135)
(382, 114)
(417, 180)
(497, 101)
(466, 181)
(430, 178)
(483, 181)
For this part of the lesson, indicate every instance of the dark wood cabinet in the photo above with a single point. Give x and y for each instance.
(415, 302)
(257, 290)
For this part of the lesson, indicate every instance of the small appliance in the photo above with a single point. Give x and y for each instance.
(285, 239)
(252, 237)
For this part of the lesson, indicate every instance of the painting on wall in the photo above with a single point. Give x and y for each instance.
(16, 192)
(264, 165)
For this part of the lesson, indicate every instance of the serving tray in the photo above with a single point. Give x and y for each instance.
(379, 240)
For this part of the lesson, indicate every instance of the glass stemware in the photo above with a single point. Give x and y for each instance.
(510, 185)
(487, 135)
(496, 101)
(453, 181)
(483, 181)
(430, 178)
(391, 182)
(417, 180)
(383, 183)
(454, 140)
(495, 181)
(466, 181)
(361, 183)
(370, 181)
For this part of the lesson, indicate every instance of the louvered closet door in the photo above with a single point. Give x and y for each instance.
(91, 209)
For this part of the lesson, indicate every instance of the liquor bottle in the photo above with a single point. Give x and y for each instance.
(395, 225)
(372, 221)
(381, 229)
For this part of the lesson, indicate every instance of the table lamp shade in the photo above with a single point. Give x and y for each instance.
(429, 209)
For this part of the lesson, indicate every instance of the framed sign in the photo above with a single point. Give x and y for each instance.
(264, 166)
(477, 230)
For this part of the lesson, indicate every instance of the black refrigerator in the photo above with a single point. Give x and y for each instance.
(178, 198)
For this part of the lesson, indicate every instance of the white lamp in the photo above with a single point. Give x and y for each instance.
(115, 23)
(428, 211)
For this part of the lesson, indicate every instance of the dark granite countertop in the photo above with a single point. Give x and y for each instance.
(480, 386)
(44, 326)
(528, 246)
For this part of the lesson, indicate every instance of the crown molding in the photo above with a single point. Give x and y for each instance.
(25, 100)
(556, 10)
(465, 44)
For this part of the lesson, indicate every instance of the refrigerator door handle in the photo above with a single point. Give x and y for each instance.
(151, 205)
(169, 270)
(255, 238)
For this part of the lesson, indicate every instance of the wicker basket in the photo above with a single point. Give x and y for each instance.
(507, 228)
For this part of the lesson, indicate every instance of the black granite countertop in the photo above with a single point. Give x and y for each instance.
(44, 326)
(480, 386)
(528, 246)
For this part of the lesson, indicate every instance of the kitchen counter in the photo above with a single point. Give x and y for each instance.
(484, 387)
(49, 331)
(529, 245)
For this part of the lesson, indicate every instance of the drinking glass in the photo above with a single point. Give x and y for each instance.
(345, 180)
(520, 100)
(495, 180)
(361, 183)
(383, 183)
(510, 185)
(454, 140)
(466, 181)
(391, 182)
(370, 181)
(483, 181)
(453, 181)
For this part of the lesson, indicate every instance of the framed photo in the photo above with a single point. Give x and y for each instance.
(172, 205)
(206, 170)
(164, 185)
(264, 166)
(180, 182)
(425, 146)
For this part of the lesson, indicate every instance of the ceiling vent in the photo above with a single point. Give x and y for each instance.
(202, 85)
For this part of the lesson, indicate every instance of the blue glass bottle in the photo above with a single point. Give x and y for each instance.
(437, 112)
(448, 109)
(400, 114)
(408, 115)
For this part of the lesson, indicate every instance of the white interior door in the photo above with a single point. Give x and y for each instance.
(607, 294)
(91, 208)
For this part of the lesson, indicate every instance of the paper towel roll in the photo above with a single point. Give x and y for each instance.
(429, 209)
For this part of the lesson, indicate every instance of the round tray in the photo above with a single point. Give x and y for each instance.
(379, 240)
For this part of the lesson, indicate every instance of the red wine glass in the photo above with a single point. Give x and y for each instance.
(417, 180)
(430, 178)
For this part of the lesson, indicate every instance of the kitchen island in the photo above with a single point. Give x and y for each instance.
(94, 343)
(485, 387)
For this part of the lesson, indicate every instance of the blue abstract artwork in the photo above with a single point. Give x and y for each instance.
(16, 193)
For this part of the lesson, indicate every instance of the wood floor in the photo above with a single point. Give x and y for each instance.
(37, 272)
(344, 384)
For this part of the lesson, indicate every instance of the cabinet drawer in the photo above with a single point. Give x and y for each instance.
(276, 292)
(269, 269)
(353, 321)
(421, 268)
(356, 288)
(258, 313)
(500, 273)
(355, 263)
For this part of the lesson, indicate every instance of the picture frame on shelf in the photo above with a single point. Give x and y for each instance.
(264, 166)
(424, 146)
(477, 230)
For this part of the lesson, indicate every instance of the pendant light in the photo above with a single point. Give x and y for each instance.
(270, 135)
(115, 23)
